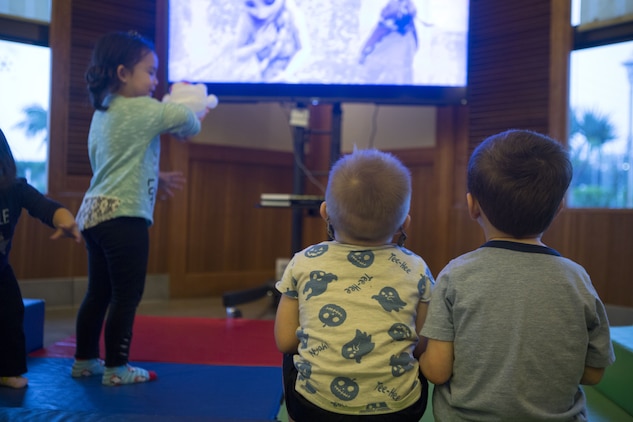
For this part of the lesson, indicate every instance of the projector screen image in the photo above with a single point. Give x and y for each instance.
(400, 51)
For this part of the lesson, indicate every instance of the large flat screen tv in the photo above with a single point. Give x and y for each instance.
(381, 51)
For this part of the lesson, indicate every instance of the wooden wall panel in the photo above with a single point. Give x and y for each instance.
(421, 233)
(35, 255)
(618, 266)
(228, 241)
(160, 244)
(89, 21)
(600, 241)
(508, 67)
(225, 217)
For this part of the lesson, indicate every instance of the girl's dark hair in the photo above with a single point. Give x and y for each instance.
(7, 163)
(111, 51)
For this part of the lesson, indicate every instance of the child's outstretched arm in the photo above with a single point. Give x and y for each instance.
(65, 225)
(286, 324)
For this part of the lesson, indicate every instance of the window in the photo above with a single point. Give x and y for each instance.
(25, 63)
(601, 105)
(24, 78)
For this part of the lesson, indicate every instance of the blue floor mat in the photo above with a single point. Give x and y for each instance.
(183, 392)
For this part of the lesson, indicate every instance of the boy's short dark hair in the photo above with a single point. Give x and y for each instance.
(519, 178)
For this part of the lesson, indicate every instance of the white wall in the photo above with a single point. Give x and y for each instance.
(396, 127)
(265, 126)
(257, 125)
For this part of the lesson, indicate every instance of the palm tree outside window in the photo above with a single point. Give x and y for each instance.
(25, 88)
(601, 105)
(25, 85)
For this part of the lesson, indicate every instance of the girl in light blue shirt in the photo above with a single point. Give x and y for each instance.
(117, 209)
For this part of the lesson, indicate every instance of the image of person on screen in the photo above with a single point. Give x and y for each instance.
(268, 39)
(387, 54)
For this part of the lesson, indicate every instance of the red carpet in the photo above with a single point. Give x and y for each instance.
(240, 342)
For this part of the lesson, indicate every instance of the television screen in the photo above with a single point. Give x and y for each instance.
(383, 51)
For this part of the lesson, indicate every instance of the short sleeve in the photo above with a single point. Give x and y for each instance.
(425, 286)
(600, 350)
(439, 321)
(288, 283)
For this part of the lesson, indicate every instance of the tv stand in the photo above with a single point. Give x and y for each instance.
(301, 132)
(300, 123)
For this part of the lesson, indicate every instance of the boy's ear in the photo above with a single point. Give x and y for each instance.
(406, 223)
(473, 207)
(561, 206)
(323, 210)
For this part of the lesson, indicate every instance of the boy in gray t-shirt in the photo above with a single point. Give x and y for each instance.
(513, 328)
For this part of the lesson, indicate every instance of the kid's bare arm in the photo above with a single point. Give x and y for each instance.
(592, 376)
(423, 308)
(436, 362)
(286, 324)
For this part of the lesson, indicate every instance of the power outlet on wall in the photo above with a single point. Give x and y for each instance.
(280, 266)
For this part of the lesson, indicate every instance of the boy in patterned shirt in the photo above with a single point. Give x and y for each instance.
(351, 307)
